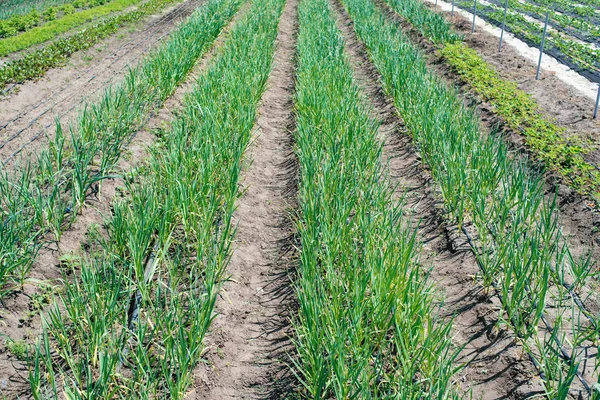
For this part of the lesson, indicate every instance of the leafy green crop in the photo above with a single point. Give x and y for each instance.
(52, 29)
(546, 140)
(583, 55)
(21, 23)
(13, 8)
(517, 238)
(36, 63)
(170, 239)
(366, 325)
(46, 194)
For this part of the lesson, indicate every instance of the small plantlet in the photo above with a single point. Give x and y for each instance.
(17, 348)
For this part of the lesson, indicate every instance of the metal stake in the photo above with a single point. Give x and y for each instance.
(597, 102)
(503, 25)
(452, 13)
(537, 74)
(436, 4)
(474, 15)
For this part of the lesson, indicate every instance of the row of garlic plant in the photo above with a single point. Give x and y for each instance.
(519, 241)
(168, 241)
(366, 325)
(45, 195)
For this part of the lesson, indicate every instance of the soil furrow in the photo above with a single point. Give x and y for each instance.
(15, 320)
(496, 366)
(249, 345)
(27, 115)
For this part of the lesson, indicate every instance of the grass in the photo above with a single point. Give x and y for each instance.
(366, 324)
(518, 239)
(45, 195)
(169, 241)
(54, 28)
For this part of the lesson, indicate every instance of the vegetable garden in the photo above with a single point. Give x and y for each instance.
(142, 303)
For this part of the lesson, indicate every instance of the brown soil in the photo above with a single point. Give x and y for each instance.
(248, 343)
(495, 365)
(15, 320)
(28, 113)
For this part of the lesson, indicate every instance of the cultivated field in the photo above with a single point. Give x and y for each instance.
(274, 199)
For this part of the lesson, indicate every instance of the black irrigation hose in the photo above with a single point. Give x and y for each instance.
(497, 291)
(133, 312)
(549, 326)
(576, 298)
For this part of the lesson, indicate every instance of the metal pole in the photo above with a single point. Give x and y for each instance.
(436, 4)
(537, 74)
(474, 15)
(503, 25)
(452, 13)
(597, 102)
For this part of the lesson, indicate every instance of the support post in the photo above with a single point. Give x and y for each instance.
(474, 16)
(597, 103)
(503, 25)
(452, 13)
(537, 74)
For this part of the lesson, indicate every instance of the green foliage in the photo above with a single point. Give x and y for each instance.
(169, 240)
(366, 324)
(15, 8)
(582, 55)
(46, 194)
(19, 23)
(486, 189)
(431, 25)
(18, 348)
(36, 63)
(22, 23)
(548, 142)
(54, 27)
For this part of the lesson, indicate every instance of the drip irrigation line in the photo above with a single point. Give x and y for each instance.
(576, 298)
(133, 311)
(548, 325)
(497, 291)
(138, 42)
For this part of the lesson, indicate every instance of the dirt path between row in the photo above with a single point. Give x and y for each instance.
(248, 343)
(15, 319)
(28, 113)
(495, 365)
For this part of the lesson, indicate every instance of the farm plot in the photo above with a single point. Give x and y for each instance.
(572, 39)
(24, 66)
(193, 288)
